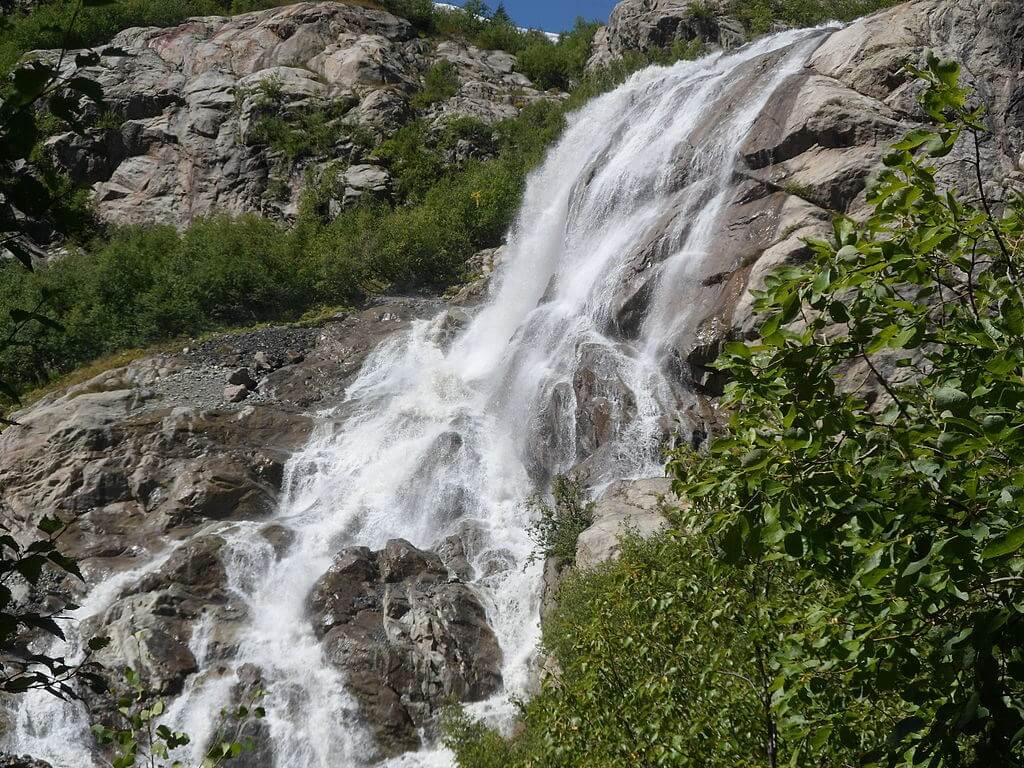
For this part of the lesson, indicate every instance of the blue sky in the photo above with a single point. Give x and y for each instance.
(552, 15)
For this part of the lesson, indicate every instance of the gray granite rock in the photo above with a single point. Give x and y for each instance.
(410, 636)
(192, 97)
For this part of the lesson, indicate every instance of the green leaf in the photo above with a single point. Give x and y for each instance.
(948, 71)
(1004, 545)
(20, 252)
(732, 543)
(30, 80)
(50, 525)
(949, 397)
(848, 253)
(755, 459)
(844, 230)
(914, 139)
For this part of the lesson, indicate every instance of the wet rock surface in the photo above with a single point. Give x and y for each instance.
(150, 624)
(409, 635)
(149, 460)
(153, 450)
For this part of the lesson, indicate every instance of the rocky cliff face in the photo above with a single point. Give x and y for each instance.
(187, 102)
(409, 634)
(639, 26)
(819, 139)
(149, 454)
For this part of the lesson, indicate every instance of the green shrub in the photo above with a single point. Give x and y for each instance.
(662, 659)
(559, 525)
(474, 744)
(440, 82)
(414, 164)
(421, 13)
(465, 23)
(502, 34)
(477, 132)
(309, 129)
(907, 505)
(558, 65)
(484, 197)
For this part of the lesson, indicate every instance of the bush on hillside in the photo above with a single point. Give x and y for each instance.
(663, 659)
(911, 507)
(314, 128)
(440, 82)
(558, 65)
(559, 524)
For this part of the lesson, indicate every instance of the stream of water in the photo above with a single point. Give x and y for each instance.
(446, 435)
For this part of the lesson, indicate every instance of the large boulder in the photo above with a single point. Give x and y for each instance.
(489, 88)
(151, 623)
(639, 26)
(358, 183)
(627, 507)
(604, 403)
(409, 635)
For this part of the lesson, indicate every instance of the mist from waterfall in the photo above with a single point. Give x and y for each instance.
(446, 434)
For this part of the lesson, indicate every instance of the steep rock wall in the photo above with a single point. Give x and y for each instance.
(188, 101)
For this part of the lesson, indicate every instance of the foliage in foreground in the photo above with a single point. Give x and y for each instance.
(664, 660)
(911, 507)
(854, 566)
(139, 738)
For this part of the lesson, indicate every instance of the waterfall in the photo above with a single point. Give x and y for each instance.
(444, 435)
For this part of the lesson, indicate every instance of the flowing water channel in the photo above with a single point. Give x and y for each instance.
(450, 434)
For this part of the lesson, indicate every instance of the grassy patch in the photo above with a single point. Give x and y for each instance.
(303, 130)
(95, 368)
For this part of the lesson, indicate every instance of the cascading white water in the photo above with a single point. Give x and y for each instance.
(441, 436)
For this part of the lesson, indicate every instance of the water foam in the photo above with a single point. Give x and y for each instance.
(447, 436)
